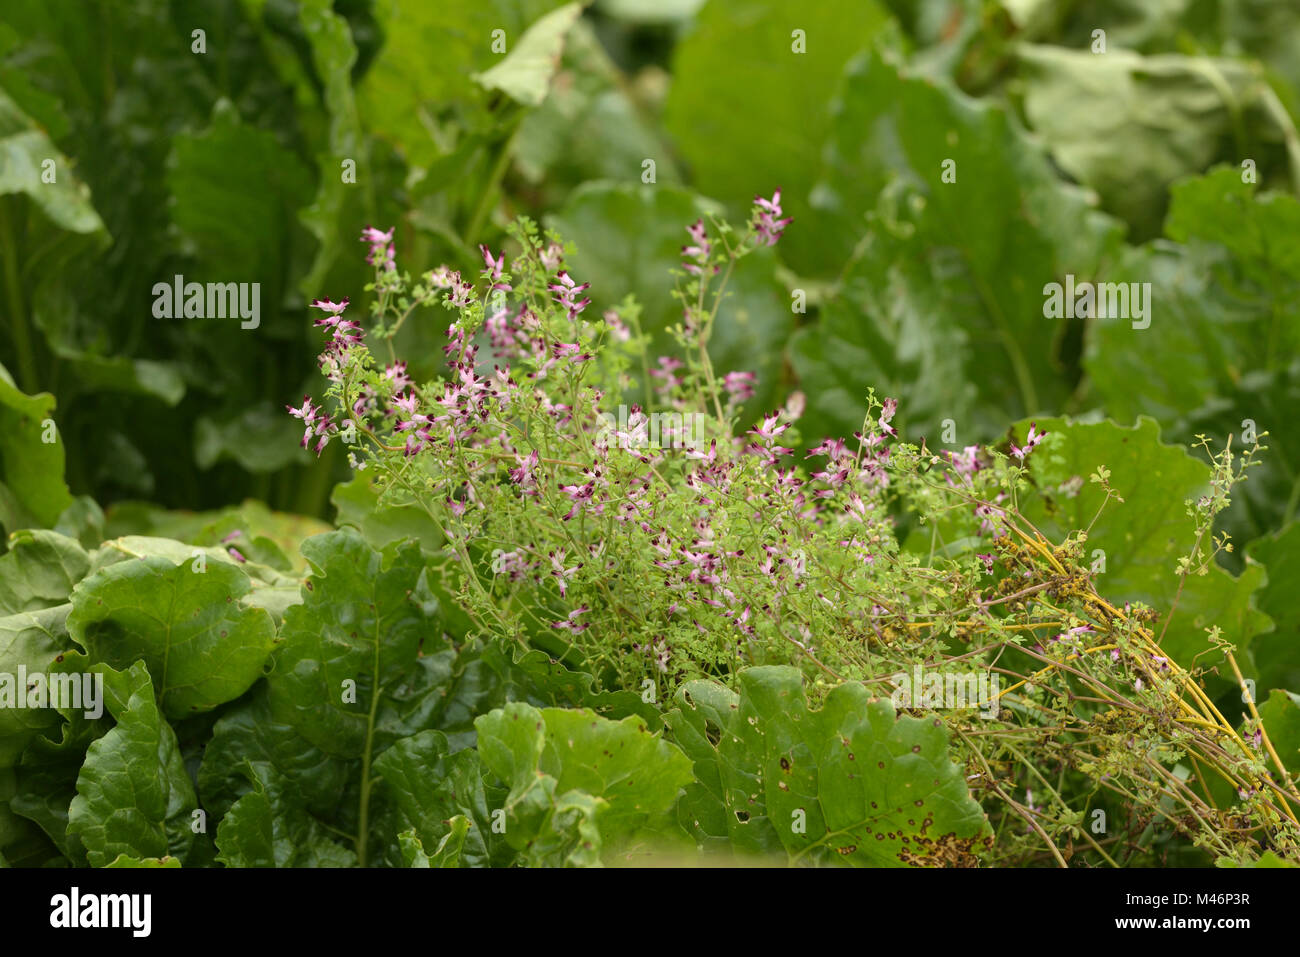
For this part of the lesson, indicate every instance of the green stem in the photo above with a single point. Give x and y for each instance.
(27, 373)
(484, 206)
(363, 823)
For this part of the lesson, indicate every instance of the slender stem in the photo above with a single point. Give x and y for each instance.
(484, 205)
(27, 373)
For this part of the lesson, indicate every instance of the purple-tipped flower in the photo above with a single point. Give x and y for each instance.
(1031, 442)
(396, 376)
(493, 270)
(331, 307)
(832, 448)
(566, 290)
(667, 374)
(571, 623)
(769, 429)
(887, 410)
(766, 220)
(525, 476)
(307, 412)
(560, 573)
(569, 350)
(382, 251)
(318, 426)
(698, 251)
(739, 386)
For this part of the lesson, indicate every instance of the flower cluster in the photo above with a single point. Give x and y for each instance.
(651, 563)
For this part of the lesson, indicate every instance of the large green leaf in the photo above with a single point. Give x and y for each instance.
(235, 196)
(580, 785)
(247, 743)
(447, 852)
(1144, 537)
(260, 438)
(852, 782)
(263, 830)
(431, 787)
(589, 127)
(1281, 716)
(1129, 125)
(134, 795)
(383, 519)
(333, 54)
(430, 55)
(349, 675)
(942, 304)
(751, 115)
(47, 775)
(33, 641)
(24, 148)
(189, 625)
(32, 491)
(526, 71)
(1222, 349)
(39, 570)
(362, 664)
(1277, 654)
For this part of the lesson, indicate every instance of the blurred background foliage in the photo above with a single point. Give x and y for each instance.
(227, 165)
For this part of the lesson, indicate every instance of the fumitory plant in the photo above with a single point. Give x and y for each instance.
(617, 510)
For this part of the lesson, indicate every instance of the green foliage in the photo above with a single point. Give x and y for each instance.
(1141, 553)
(579, 784)
(851, 780)
(134, 795)
(190, 627)
(616, 654)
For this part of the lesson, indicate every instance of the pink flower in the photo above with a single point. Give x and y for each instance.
(569, 350)
(551, 256)
(617, 327)
(571, 623)
(769, 429)
(667, 374)
(331, 307)
(396, 376)
(566, 289)
(523, 475)
(832, 448)
(698, 251)
(765, 220)
(307, 412)
(1031, 442)
(739, 386)
(493, 270)
(560, 573)
(580, 495)
(887, 410)
(382, 250)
